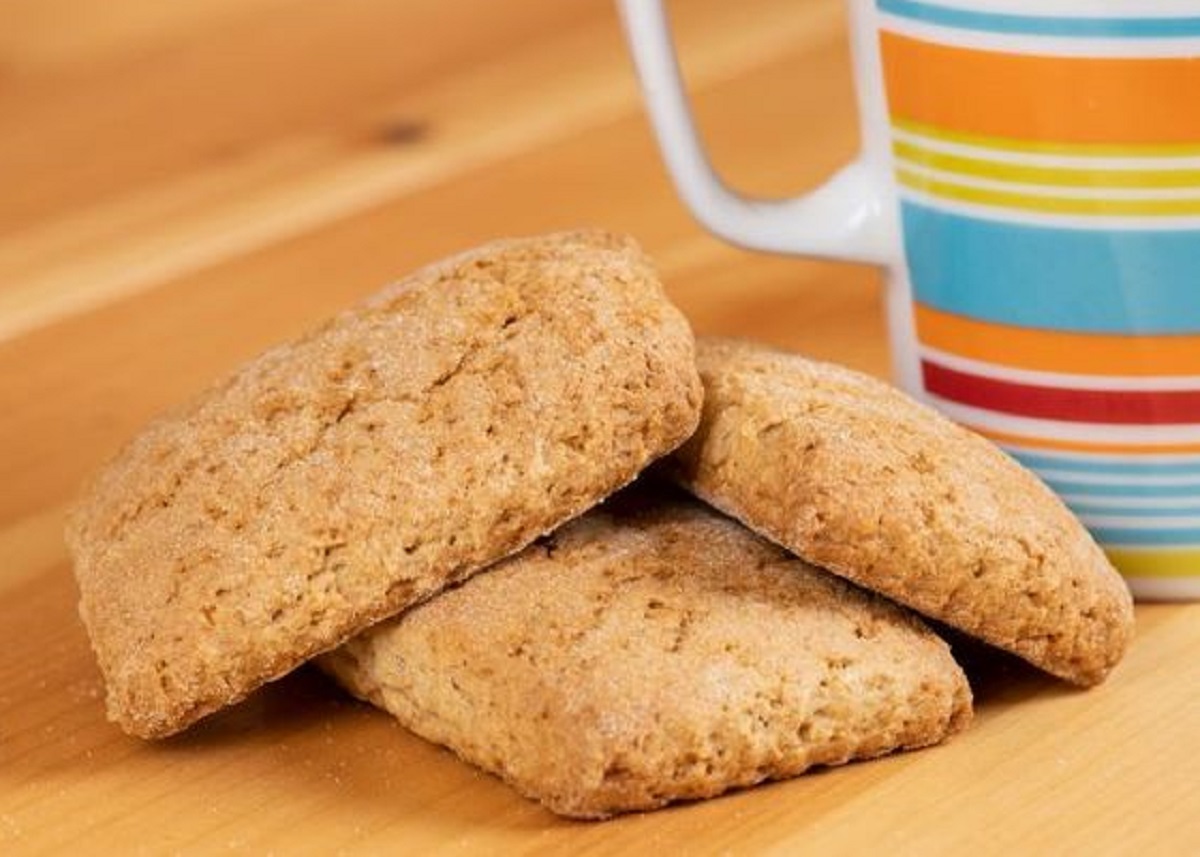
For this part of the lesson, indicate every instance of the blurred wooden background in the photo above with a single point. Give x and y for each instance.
(244, 168)
(187, 182)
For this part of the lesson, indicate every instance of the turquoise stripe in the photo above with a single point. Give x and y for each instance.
(1124, 467)
(1085, 489)
(1131, 511)
(1144, 282)
(1046, 25)
(1162, 538)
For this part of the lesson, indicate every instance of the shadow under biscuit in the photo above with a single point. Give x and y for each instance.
(998, 677)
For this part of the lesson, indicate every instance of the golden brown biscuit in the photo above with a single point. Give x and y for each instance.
(335, 480)
(656, 653)
(858, 478)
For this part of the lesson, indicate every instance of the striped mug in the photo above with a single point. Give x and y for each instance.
(1030, 178)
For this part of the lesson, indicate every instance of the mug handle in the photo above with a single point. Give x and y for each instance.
(842, 219)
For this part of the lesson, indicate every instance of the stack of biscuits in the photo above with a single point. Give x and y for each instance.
(442, 496)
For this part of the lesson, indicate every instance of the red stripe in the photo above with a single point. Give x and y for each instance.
(1127, 407)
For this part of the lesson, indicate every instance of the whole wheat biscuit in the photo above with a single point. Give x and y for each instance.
(856, 477)
(656, 653)
(335, 480)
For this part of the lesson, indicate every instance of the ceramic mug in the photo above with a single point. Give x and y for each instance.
(1030, 179)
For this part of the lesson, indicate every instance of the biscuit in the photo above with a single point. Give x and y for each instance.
(335, 480)
(856, 477)
(656, 651)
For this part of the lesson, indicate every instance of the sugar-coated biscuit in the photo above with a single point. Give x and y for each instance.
(435, 428)
(651, 651)
(856, 477)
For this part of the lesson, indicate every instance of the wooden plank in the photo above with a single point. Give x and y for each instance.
(189, 183)
(221, 89)
(41, 36)
(203, 323)
(294, 183)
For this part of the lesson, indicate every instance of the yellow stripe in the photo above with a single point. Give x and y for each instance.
(1046, 204)
(1008, 144)
(1060, 176)
(1012, 144)
(1156, 563)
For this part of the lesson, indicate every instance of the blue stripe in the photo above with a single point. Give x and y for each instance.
(1049, 25)
(1123, 536)
(1143, 282)
(1124, 467)
(1084, 489)
(1131, 511)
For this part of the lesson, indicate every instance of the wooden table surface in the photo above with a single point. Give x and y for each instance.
(186, 183)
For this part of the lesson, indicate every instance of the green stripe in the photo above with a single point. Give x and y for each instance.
(1008, 144)
(1046, 204)
(1056, 176)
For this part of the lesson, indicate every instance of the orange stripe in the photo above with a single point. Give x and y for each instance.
(1058, 351)
(1082, 445)
(1027, 97)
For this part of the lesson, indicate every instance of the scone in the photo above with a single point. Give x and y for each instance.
(652, 651)
(856, 477)
(334, 481)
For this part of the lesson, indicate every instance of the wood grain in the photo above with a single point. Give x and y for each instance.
(188, 183)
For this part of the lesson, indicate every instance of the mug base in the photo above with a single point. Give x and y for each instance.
(1151, 589)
